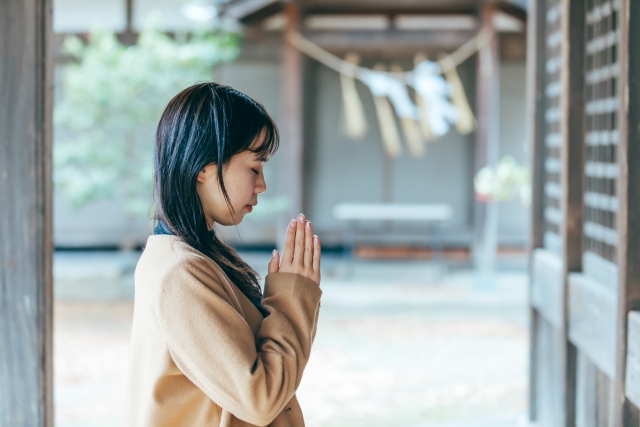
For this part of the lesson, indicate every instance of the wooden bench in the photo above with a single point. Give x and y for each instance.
(355, 213)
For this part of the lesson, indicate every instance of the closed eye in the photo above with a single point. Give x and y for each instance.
(255, 171)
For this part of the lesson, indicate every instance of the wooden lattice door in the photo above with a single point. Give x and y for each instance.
(585, 103)
(592, 293)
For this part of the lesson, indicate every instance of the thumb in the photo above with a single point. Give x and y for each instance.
(274, 264)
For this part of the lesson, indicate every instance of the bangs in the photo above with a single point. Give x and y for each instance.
(270, 141)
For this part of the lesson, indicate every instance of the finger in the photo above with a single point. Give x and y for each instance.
(287, 255)
(316, 254)
(274, 263)
(299, 245)
(308, 245)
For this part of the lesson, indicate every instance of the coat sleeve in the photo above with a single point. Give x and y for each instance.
(253, 377)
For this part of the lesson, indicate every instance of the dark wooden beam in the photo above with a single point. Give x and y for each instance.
(26, 245)
(293, 104)
(389, 40)
(387, 6)
(517, 9)
(571, 180)
(245, 9)
(572, 130)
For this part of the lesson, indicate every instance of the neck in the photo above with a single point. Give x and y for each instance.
(209, 221)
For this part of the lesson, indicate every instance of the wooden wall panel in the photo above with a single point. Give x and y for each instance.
(595, 399)
(549, 379)
(602, 271)
(25, 209)
(546, 293)
(592, 321)
(633, 358)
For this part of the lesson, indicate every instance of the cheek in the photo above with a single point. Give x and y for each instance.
(241, 192)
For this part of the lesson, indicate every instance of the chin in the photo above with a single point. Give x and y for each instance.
(230, 222)
(238, 219)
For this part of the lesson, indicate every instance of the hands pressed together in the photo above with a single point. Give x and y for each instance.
(301, 253)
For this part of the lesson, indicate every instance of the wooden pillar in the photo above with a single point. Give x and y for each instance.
(556, 129)
(487, 148)
(572, 176)
(128, 36)
(626, 414)
(487, 141)
(535, 133)
(291, 174)
(25, 211)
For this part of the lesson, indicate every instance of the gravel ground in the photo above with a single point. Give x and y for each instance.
(410, 369)
(386, 354)
(91, 348)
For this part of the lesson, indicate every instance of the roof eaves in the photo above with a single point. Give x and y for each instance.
(242, 9)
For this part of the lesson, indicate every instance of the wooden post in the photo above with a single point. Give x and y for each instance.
(572, 176)
(291, 174)
(535, 116)
(487, 146)
(535, 113)
(625, 413)
(128, 37)
(25, 210)
(552, 26)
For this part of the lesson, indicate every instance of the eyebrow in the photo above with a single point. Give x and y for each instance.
(262, 159)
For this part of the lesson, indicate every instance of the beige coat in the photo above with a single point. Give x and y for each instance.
(201, 353)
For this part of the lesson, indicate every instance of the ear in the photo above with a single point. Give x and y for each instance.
(202, 176)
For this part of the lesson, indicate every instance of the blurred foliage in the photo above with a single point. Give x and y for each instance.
(111, 101)
(506, 181)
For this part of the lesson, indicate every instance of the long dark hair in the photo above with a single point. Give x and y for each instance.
(207, 123)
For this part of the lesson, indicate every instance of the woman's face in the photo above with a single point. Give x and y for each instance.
(244, 180)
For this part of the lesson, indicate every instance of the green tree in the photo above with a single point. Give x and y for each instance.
(111, 100)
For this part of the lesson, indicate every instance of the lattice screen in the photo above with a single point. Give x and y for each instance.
(601, 132)
(552, 121)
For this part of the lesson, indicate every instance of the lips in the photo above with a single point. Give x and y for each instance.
(249, 208)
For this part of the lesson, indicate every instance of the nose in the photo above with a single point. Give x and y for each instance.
(261, 185)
